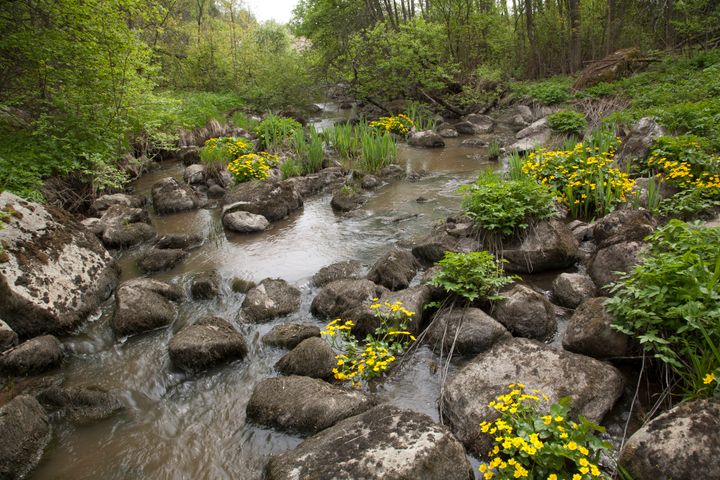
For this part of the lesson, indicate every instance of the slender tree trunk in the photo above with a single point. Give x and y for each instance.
(575, 38)
(534, 63)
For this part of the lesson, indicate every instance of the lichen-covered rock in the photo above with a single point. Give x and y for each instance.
(385, 442)
(272, 199)
(194, 174)
(272, 298)
(526, 313)
(81, 405)
(53, 271)
(25, 433)
(182, 241)
(170, 196)
(106, 201)
(448, 133)
(426, 139)
(467, 331)
(623, 226)
(592, 385)
(482, 123)
(607, 262)
(144, 304)
(126, 235)
(245, 222)
(589, 331)
(350, 269)
(347, 199)
(206, 285)
(31, 357)
(313, 357)
(302, 404)
(641, 138)
(205, 344)
(8, 337)
(394, 270)
(157, 260)
(289, 335)
(549, 245)
(571, 289)
(412, 299)
(682, 443)
(337, 297)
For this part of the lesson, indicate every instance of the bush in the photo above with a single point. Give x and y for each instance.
(225, 149)
(670, 302)
(274, 132)
(397, 124)
(568, 122)
(471, 276)
(549, 92)
(506, 206)
(360, 363)
(253, 166)
(528, 444)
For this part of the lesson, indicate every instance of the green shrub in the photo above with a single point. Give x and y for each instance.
(253, 166)
(670, 302)
(549, 92)
(471, 276)
(506, 206)
(275, 132)
(568, 122)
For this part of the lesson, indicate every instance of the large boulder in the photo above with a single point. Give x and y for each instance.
(245, 222)
(144, 304)
(340, 296)
(549, 245)
(590, 332)
(426, 139)
(80, 405)
(592, 385)
(482, 123)
(571, 289)
(444, 238)
(25, 433)
(205, 344)
(394, 270)
(605, 266)
(641, 138)
(271, 298)
(351, 269)
(313, 357)
(623, 226)
(412, 299)
(32, 356)
(383, 443)
(53, 271)
(122, 226)
(467, 331)
(170, 196)
(272, 199)
(682, 443)
(8, 337)
(157, 259)
(526, 313)
(289, 335)
(302, 404)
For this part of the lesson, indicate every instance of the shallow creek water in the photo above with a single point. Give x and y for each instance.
(178, 426)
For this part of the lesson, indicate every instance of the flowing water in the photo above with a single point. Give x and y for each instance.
(178, 426)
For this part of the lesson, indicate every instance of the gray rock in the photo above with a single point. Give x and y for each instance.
(216, 191)
(242, 285)
(382, 443)
(53, 272)
(104, 202)
(465, 128)
(327, 179)
(448, 133)
(525, 112)
(482, 123)
(205, 344)
(313, 357)
(206, 285)
(123, 226)
(571, 289)
(589, 332)
(144, 304)
(641, 138)
(682, 443)
(289, 335)
(623, 226)
(31, 357)
(412, 299)
(607, 262)
(194, 174)
(179, 241)
(474, 143)
(530, 143)
(272, 298)
(8, 337)
(518, 121)
(245, 222)
(426, 139)
(351, 269)
(170, 196)
(347, 199)
(538, 127)
(394, 270)
(272, 199)
(592, 385)
(470, 330)
(369, 182)
(432, 248)
(25, 433)
(340, 296)
(392, 172)
(549, 245)
(81, 405)
(304, 405)
(526, 313)
(189, 155)
(157, 260)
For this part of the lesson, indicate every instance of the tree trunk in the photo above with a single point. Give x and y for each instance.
(575, 39)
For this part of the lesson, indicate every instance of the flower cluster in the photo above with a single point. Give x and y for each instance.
(583, 178)
(225, 149)
(360, 363)
(533, 445)
(712, 382)
(252, 166)
(397, 124)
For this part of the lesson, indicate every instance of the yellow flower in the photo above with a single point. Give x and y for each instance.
(571, 446)
(709, 378)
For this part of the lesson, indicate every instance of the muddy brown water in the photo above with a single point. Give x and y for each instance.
(178, 426)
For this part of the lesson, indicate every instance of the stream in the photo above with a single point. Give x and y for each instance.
(179, 426)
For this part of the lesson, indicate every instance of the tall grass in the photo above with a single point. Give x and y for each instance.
(378, 151)
(275, 132)
(363, 147)
(309, 150)
(421, 116)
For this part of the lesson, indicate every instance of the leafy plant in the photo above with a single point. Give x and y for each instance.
(225, 149)
(360, 362)
(421, 116)
(398, 124)
(568, 122)
(535, 439)
(472, 276)
(494, 150)
(549, 92)
(689, 203)
(378, 151)
(291, 168)
(506, 206)
(309, 150)
(670, 301)
(253, 166)
(275, 132)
